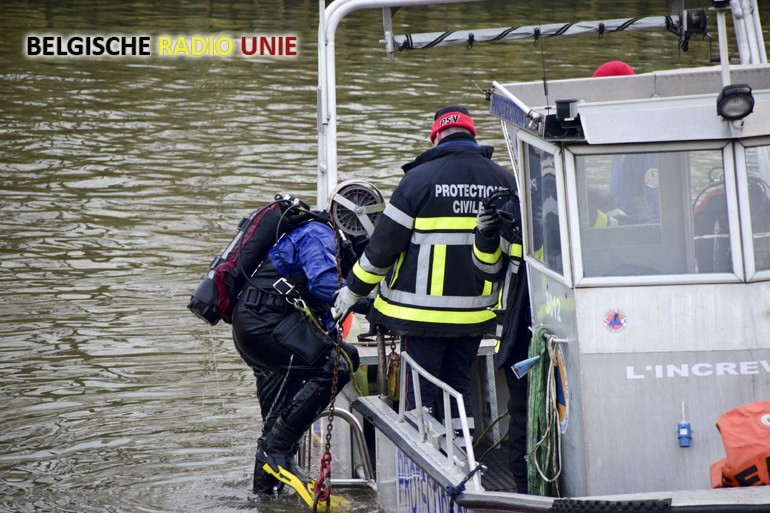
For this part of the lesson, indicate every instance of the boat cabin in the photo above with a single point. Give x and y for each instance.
(647, 239)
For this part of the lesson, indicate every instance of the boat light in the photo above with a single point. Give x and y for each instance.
(566, 110)
(735, 102)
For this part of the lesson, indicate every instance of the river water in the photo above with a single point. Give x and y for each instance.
(123, 176)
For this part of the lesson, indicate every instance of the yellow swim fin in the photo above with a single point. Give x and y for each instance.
(305, 489)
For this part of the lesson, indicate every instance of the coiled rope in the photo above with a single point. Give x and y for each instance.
(543, 433)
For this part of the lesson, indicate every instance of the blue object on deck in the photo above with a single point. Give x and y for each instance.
(521, 368)
(685, 434)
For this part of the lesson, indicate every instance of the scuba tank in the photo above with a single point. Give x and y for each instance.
(215, 295)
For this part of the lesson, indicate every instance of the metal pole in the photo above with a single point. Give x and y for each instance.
(382, 366)
(724, 58)
(331, 17)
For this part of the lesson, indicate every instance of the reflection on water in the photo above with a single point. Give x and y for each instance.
(121, 178)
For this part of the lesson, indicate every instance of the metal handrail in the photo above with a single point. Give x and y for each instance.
(448, 393)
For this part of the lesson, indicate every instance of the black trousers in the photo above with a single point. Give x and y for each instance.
(285, 387)
(517, 425)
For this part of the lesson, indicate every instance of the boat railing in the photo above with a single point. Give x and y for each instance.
(748, 29)
(531, 32)
(424, 420)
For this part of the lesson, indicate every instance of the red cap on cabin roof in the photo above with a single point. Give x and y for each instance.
(454, 115)
(613, 69)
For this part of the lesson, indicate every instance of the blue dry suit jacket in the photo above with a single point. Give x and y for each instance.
(309, 250)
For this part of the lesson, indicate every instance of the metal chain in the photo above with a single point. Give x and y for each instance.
(323, 485)
(392, 377)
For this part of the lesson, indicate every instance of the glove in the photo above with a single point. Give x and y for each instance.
(344, 299)
(363, 305)
(488, 222)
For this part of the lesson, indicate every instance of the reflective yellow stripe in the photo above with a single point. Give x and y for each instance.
(445, 223)
(487, 288)
(397, 268)
(602, 220)
(408, 313)
(516, 250)
(437, 270)
(366, 277)
(488, 258)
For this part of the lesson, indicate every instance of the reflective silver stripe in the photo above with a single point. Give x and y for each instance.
(550, 206)
(448, 238)
(452, 302)
(487, 268)
(424, 268)
(367, 266)
(506, 286)
(505, 246)
(399, 216)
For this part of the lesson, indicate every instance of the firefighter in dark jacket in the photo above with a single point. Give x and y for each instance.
(421, 255)
(498, 256)
(293, 385)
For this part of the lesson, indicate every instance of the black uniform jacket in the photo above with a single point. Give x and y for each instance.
(421, 250)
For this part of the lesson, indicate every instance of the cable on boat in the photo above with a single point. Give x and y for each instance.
(454, 491)
(484, 433)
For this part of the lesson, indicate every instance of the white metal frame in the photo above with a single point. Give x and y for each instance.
(668, 279)
(329, 19)
(565, 278)
(747, 236)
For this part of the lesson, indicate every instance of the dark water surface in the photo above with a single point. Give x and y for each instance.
(122, 177)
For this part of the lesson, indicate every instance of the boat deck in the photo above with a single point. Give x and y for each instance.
(497, 476)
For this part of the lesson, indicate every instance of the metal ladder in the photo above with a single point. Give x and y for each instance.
(361, 469)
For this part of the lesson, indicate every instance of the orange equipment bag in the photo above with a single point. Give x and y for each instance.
(745, 434)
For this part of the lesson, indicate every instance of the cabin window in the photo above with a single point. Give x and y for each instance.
(543, 198)
(758, 170)
(652, 213)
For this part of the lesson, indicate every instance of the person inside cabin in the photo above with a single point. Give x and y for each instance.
(291, 356)
(421, 255)
(546, 237)
(498, 256)
(634, 177)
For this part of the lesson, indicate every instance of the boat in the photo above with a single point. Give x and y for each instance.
(651, 311)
